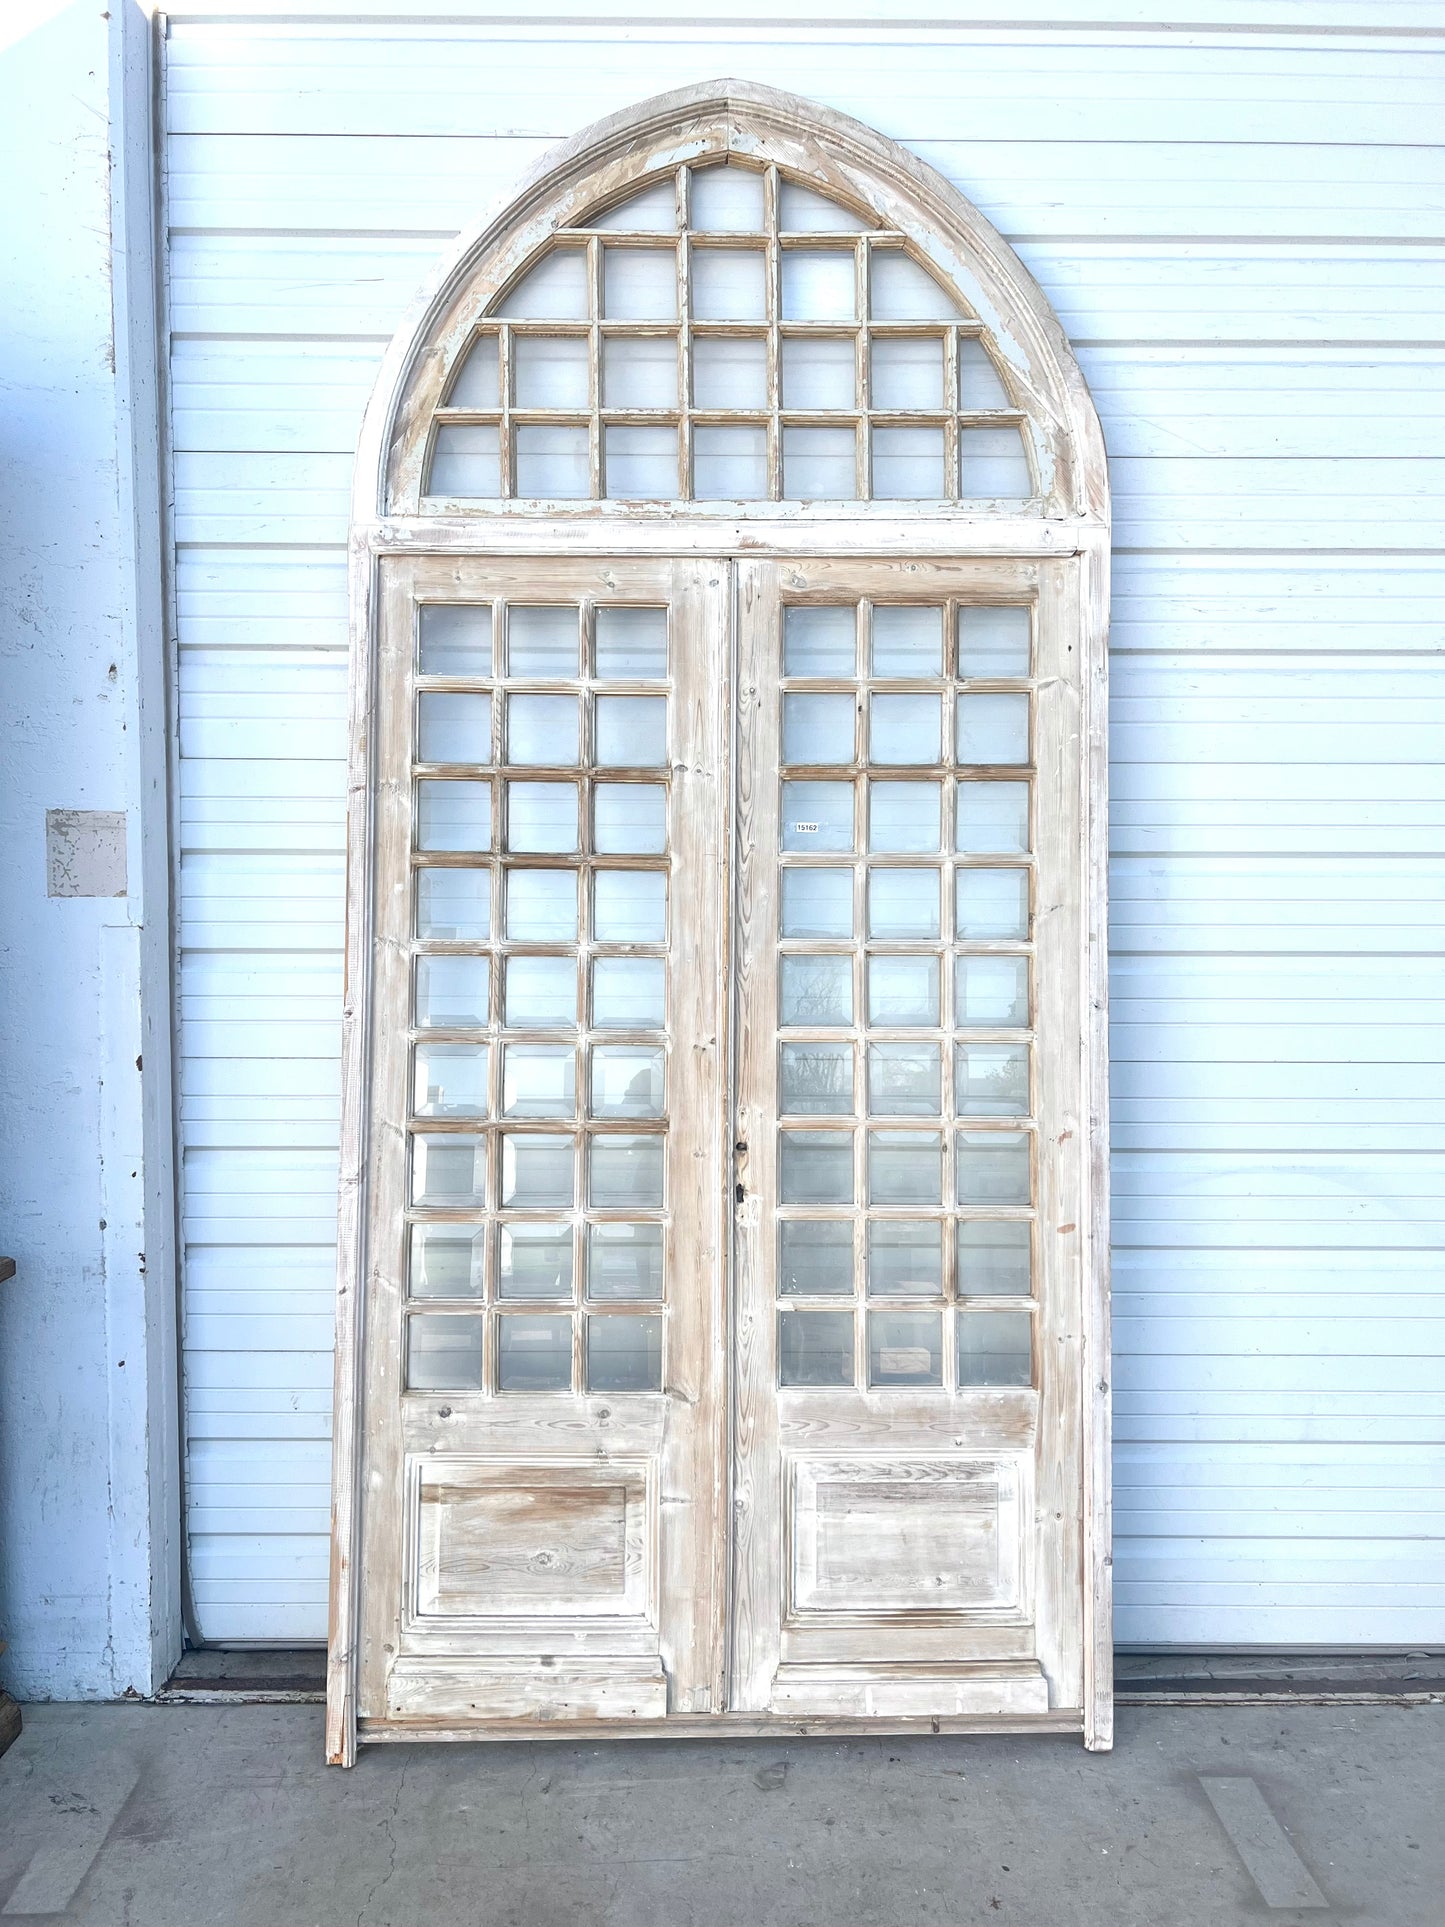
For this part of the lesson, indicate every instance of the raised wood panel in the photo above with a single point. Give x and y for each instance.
(872, 1693)
(434, 1687)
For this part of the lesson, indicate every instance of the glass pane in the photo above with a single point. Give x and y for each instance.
(542, 906)
(640, 464)
(815, 1348)
(908, 464)
(993, 1258)
(627, 1081)
(476, 384)
(639, 284)
(907, 372)
(993, 729)
(816, 1167)
(819, 285)
(820, 641)
(817, 817)
(453, 816)
(905, 1258)
(907, 641)
(726, 200)
(730, 464)
(542, 729)
(815, 990)
(454, 904)
(626, 1172)
(552, 463)
(536, 1170)
(451, 992)
(819, 464)
(993, 819)
(993, 642)
(903, 903)
(905, 729)
(653, 211)
(466, 461)
(534, 1354)
(624, 1354)
(905, 1080)
(994, 1348)
(541, 818)
(815, 1079)
(991, 905)
(819, 372)
(542, 643)
(447, 1261)
(980, 387)
(728, 372)
(904, 819)
(624, 1261)
(991, 990)
(630, 819)
(992, 1167)
(449, 1080)
(539, 1080)
(818, 729)
(454, 639)
(448, 1170)
(631, 644)
(815, 1258)
(901, 290)
(534, 1261)
(993, 462)
(727, 285)
(555, 290)
(905, 1348)
(903, 990)
(991, 1080)
(541, 992)
(629, 993)
(801, 211)
(551, 371)
(905, 1167)
(629, 906)
(817, 903)
(631, 731)
(639, 371)
(444, 1354)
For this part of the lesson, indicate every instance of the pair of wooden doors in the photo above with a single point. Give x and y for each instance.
(727, 1198)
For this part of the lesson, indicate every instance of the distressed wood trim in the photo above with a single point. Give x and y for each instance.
(738, 1726)
(684, 528)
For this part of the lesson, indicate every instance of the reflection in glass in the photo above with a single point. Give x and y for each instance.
(904, 819)
(903, 990)
(818, 729)
(730, 371)
(817, 902)
(466, 461)
(816, 1167)
(907, 372)
(541, 992)
(991, 991)
(639, 371)
(555, 290)
(729, 464)
(542, 730)
(815, 1257)
(901, 290)
(630, 819)
(551, 371)
(903, 903)
(993, 642)
(449, 1080)
(992, 1167)
(626, 1172)
(992, 905)
(539, 1080)
(629, 906)
(624, 1261)
(820, 464)
(476, 384)
(726, 199)
(905, 1348)
(905, 1258)
(818, 817)
(631, 732)
(993, 1258)
(815, 1079)
(444, 1354)
(448, 1170)
(993, 819)
(993, 729)
(627, 1081)
(446, 1261)
(728, 284)
(905, 1167)
(815, 1348)
(453, 816)
(991, 1080)
(553, 463)
(629, 993)
(639, 284)
(542, 906)
(653, 211)
(640, 462)
(453, 728)
(454, 905)
(542, 643)
(454, 639)
(908, 464)
(534, 1353)
(905, 729)
(815, 990)
(534, 1261)
(624, 1353)
(994, 1348)
(993, 463)
(631, 644)
(819, 284)
(801, 211)
(820, 640)
(536, 1170)
(819, 372)
(980, 388)
(451, 992)
(905, 1080)
(907, 640)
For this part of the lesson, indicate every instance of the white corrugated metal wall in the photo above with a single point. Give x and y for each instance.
(1239, 224)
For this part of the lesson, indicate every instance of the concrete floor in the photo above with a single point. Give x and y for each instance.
(178, 1816)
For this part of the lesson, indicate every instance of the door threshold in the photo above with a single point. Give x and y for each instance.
(760, 1726)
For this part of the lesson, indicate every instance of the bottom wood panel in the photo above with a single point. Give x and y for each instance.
(740, 1726)
(526, 1689)
(881, 1692)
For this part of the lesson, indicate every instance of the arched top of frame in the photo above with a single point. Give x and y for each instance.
(728, 300)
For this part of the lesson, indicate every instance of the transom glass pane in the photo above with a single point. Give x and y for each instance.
(907, 372)
(730, 464)
(551, 371)
(555, 290)
(639, 371)
(639, 284)
(728, 284)
(729, 371)
(466, 460)
(820, 372)
(819, 285)
(553, 462)
(726, 200)
(477, 383)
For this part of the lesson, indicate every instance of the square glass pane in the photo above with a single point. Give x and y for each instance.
(627, 1081)
(726, 200)
(993, 729)
(820, 464)
(904, 819)
(905, 1258)
(551, 371)
(820, 641)
(555, 290)
(819, 284)
(908, 464)
(819, 372)
(653, 211)
(629, 819)
(454, 639)
(626, 1172)
(819, 729)
(639, 284)
(639, 371)
(448, 1170)
(994, 642)
(815, 1167)
(629, 993)
(991, 991)
(534, 1354)
(542, 729)
(446, 1261)
(815, 1348)
(534, 1261)
(815, 990)
(980, 386)
(449, 1080)
(902, 290)
(444, 1354)
(453, 816)
(817, 903)
(903, 903)
(729, 464)
(903, 990)
(537, 1170)
(815, 1080)
(452, 992)
(631, 645)
(905, 1167)
(992, 819)
(993, 1258)
(905, 1348)
(454, 905)
(541, 992)
(818, 817)
(991, 905)
(993, 464)
(905, 729)
(624, 1354)
(452, 728)
(815, 1258)
(991, 1080)
(631, 732)
(905, 1080)
(542, 818)
(624, 1261)
(995, 1348)
(539, 1080)
(542, 643)
(729, 371)
(640, 463)
(801, 211)
(907, 640)
(907, 372)
(476, 383)
(466, 461)
(542, 906)
(992, 1167)
(728, 284)
(629, 906)
(553, 463)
